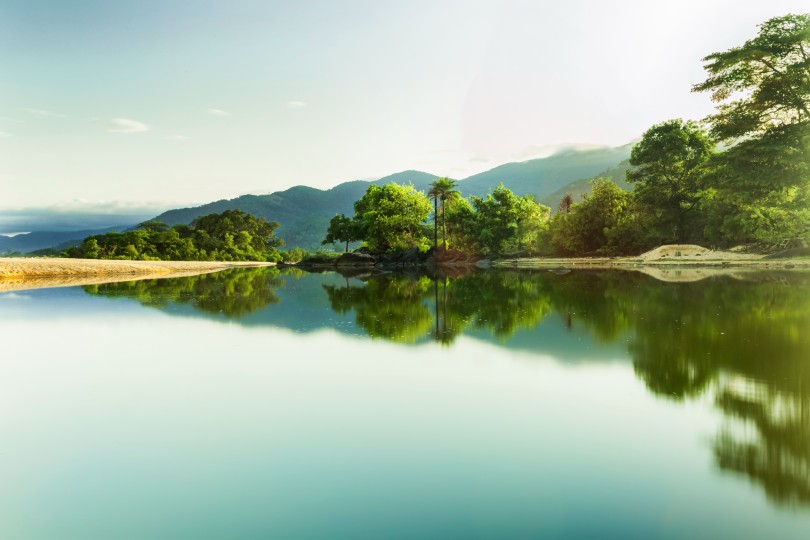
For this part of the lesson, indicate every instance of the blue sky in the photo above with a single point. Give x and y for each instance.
(126, 105)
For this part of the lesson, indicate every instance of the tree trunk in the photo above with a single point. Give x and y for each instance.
(444, 227)
(435, 223)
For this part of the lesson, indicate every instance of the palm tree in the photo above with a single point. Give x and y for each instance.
(565, 204)
(434, 194)
(442, 188)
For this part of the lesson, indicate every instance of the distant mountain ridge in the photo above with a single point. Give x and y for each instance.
(33, 241)
(304, 212)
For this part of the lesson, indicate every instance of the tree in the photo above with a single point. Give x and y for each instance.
(502, 221)
(342, 229)
(764, 84)
(668, 173)
(762, 89)
(443, 189)
(600, 223)
(565, 203)
(233, 236)
(390, 218)
(221, 233)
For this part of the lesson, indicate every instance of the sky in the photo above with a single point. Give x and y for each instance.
(132, 107)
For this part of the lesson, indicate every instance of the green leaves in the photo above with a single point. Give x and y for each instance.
(668, 170)
(231, 236)
(391, 217)
(763, 84)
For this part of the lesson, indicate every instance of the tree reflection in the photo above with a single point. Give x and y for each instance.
(233, 293)
(749, 342)
(389, 307)
(501, 302)
(744, 342)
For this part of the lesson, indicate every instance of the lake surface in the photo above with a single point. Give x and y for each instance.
(262, 403)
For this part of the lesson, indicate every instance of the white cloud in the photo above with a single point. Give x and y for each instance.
(4, 134)
(296, 104)
(42, 113)
(218, 112)
(125, 125)
(178, 138)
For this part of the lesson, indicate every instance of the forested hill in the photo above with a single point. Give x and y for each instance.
(304, 212)
(541, 177)
(578, 188)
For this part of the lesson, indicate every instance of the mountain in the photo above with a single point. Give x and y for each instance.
(580, 187)
(541, 177)
(304, 212)
(27, 242)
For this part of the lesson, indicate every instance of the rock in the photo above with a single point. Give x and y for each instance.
(411, 256)
(443, 256)
(484, 263)
(316, 260)
(355, 259)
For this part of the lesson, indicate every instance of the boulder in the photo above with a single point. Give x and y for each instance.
(412, 256)
(317, 260)
(355, 259)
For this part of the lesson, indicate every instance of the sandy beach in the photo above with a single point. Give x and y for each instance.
(665, 260)
(34, 273)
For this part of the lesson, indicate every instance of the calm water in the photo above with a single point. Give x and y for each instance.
(264, 404)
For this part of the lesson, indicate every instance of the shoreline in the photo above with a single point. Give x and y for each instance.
(38, 273)
(634, 263)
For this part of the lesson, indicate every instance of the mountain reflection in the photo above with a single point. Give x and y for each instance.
(743, 341)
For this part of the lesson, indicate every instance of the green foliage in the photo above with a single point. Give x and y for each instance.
(293, 255)
(668, 172)
(763, 93)
(502, 222)
(391, 217)
(343, 229)
(765, 83)
(442, 189)
(603, 223)
(231, 236)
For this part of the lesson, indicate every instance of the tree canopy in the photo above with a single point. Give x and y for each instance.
(230, 236)
(343, 229)
(667, 173)
(391, 218)
(762, 89)
(765, 83)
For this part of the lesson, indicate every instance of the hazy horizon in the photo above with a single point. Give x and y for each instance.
(161, 104)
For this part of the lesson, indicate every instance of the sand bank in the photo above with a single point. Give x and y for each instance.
(678, 262)
(33, 273)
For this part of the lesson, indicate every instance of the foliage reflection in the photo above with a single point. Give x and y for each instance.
(233, 293)
(744, 341)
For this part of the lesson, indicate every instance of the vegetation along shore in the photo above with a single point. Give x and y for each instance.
(738, 181)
